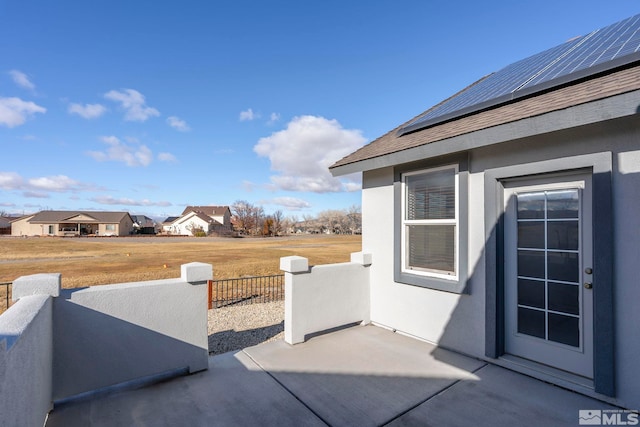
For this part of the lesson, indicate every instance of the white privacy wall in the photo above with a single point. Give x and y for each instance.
(111, 334)
(25, 362)
(57, 346)
(325, 296)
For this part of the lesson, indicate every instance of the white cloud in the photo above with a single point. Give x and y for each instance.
(40, 187)
(248, 115)
(118, 151)
(167, 157)
(22, 80)
(35, 195)
(87, 111)
(273, 118)
(10, 181)
(108, 200)
(178, 124)
(133, 102)
(57, 183)
(15, 111)
(290, 203)
(303, 152)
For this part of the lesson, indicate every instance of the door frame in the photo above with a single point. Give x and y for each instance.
(599, 165)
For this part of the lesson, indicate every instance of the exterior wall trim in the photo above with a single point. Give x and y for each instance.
(458, 286)
(604, 339)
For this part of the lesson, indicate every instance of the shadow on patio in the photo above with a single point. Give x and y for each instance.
(231, 340)
(360, 376)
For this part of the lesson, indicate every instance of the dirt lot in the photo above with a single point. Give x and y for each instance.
(95, 261)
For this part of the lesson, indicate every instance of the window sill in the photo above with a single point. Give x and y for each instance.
(455, 286)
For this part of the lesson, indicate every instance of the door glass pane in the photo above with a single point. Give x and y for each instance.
(531, 322)
(562, 235)
(531, 234)
(432, 247)
(531, 206)
(564, 298)
(531, 264)
(564, 329)
(562, 266)
(548, 227)
(562, 204)
(531, 293)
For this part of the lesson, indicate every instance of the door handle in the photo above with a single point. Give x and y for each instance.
(588, 285)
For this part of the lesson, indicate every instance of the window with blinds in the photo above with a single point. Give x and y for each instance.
(430, 222)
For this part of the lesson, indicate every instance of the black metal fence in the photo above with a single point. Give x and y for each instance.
(5, 296)
(246, 290)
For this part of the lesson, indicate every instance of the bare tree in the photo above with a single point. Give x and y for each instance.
(289, 224)
(258, 218)
(278, 219)
(354, 219)
(268, 226)
(332, 221)
(309, 223)
(243, 211)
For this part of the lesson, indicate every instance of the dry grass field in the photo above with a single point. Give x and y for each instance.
(96, 261)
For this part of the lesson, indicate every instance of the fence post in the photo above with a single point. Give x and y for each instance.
(210, 294)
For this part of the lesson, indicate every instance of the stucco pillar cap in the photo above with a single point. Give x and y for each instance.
(195, 272)
(361, 258)
(294, 264)
(36, 284)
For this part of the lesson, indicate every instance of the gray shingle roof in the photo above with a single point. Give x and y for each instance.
(48, 217)
(600, 87)
(207, 210)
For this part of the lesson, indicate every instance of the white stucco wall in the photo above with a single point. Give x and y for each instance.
(111, 334)
(424, 313)
(626, 196)
(324, 296)
(58, 345)
(458, 321)
(25, 362)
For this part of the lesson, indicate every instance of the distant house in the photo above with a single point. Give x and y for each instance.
(143, 224)
(167, 225)
(207, 219)
(5, 224)
(73, 223)
(503, 222)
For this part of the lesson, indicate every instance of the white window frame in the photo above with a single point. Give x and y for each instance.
(455, 222)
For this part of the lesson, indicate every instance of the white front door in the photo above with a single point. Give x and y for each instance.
(548, 260)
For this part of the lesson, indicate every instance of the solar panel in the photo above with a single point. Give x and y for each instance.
(598, 51)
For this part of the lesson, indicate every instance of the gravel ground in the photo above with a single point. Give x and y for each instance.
(235, 328)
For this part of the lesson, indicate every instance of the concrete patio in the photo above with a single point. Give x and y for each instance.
(360, 376)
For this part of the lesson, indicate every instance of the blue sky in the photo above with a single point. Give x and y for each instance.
(149, 106)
